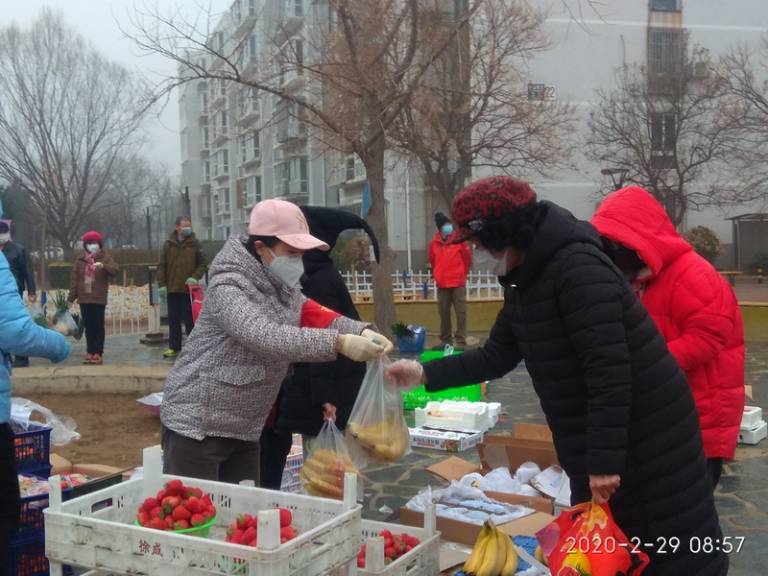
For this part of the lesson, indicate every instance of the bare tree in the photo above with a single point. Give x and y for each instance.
(669, 131)
(66, 115)
(478, 108)
(364, 61)
(746, 72)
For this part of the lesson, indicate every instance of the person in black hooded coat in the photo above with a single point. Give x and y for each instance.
(316, 391)
(622, 415)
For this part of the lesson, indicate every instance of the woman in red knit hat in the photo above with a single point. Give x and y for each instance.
(89, 285)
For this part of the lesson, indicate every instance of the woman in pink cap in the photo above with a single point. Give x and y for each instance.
(225, 381)
(89, 285)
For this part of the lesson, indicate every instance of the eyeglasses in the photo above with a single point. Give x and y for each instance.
(476, 225)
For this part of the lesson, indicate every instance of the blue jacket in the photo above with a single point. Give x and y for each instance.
(20, 335)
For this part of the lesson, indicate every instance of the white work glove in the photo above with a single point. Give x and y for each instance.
(406, 374)
(358, 348)
(378, 339)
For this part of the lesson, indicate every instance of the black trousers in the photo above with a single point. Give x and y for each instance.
(220, 459)
(275, 447)
(93, 320)
(179, 310)
(10, 501)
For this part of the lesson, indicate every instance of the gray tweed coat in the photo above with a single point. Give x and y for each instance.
(227, 377)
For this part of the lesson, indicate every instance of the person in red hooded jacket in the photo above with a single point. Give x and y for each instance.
(692, 305)
(450, 265)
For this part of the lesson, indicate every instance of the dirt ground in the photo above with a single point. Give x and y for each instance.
(113, 427)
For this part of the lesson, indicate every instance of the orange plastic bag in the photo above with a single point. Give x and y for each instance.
(586, 541)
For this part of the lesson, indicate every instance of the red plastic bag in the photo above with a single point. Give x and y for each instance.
(196, 296)
(586, 541)
(314, 315)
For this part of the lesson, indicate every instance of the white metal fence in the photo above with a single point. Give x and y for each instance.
(419, 285)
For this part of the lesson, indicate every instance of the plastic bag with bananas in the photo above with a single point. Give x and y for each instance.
(376, 429)
(325, 466)
(493, 554)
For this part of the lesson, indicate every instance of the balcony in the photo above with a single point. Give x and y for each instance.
(291, 77)
(293, 17)
(290, 131)
(220, 137)
(245, 25)
(250, 112)
(251, 161)
(204, 206)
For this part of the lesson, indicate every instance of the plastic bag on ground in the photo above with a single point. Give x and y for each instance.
(64, 428)
(376, 429)
(326, 464)
(569, 543)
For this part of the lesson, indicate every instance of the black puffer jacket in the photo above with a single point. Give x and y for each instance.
(614, 397)
(312, 385)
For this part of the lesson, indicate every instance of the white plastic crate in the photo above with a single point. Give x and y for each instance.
(751, 417)
(459, 415)
(96, 531)
(754, 435)
(423, 560)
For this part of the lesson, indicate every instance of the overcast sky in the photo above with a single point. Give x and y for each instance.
(95, 20)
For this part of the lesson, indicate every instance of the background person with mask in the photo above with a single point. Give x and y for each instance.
(693, 307)
(21, 268)
(89, 286)
(225, 382)
(182, 263)
(623, 419)
(21, 336)
(451, 262)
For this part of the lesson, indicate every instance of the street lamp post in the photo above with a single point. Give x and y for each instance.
(617, 175)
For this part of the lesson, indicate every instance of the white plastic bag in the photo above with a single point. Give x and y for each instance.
(326, 464)
(64, 428)
(64, 323)
(376, 429)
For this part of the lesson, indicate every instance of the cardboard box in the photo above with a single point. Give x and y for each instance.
(446, 440)
(466, 533)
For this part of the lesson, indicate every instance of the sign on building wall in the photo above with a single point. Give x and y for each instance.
(541, 92)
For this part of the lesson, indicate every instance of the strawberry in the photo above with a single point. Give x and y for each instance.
(242, 521)
(249, 535)
(142, 517)
(181, 513)
(181, 525)
(155, 512)
(386, 534)
(169, 521)
(389, 552)
(206, 498)
(150, 503)
(408, 548)
(194, 505)
(197, 492)
(157, 524)
(287, 532)
(197, 519)
(161, 494)
(285, 517)
(171, 501)
(175, 487)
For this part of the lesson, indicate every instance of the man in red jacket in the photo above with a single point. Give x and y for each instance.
(693, 307)
(450, 266)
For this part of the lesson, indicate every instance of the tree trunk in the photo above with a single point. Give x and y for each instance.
(383, 297)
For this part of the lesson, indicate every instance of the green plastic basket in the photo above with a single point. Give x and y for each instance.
(418, 397)
(202, 531)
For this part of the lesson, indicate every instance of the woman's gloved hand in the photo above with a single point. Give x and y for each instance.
(358, 348)
(407, 374)
(378, 339)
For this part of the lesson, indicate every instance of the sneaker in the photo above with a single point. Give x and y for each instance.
(170, 353)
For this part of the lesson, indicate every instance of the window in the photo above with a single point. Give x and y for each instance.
(665, 50)
(224, 161)
(665, 5)
(255, 144)
(223, 120)
(297, 8)
(206, 138)
(663, 139)
(222, 87)
(206, 171)
(252, 190)
(350, 172)
(253, 46)
(204, 102)
(225, 193)
(251, 7)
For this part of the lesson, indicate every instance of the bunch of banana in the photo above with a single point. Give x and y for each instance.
(493, 554)
(386, 441)
(323, 473)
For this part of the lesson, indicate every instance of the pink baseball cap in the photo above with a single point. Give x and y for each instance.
(286, 222)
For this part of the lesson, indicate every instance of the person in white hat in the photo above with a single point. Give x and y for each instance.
(226, 379)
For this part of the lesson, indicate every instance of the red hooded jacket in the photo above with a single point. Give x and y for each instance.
(693, 307)
(450, 262)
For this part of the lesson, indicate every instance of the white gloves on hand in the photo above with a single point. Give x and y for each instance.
(407, 374)
(378, 339)
(358, 348)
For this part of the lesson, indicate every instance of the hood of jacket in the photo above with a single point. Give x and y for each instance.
(633, 218)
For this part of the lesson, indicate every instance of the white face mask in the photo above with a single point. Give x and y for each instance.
(4, 238)
(289, 269)
(92, 248)
(497, 265)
